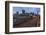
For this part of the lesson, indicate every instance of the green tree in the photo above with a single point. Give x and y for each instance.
(23, 11)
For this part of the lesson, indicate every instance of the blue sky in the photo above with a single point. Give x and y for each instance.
(27, 9)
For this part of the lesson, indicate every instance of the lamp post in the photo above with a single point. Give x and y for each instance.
(38, 17)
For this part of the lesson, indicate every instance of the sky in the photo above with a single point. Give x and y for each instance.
(27, 9)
